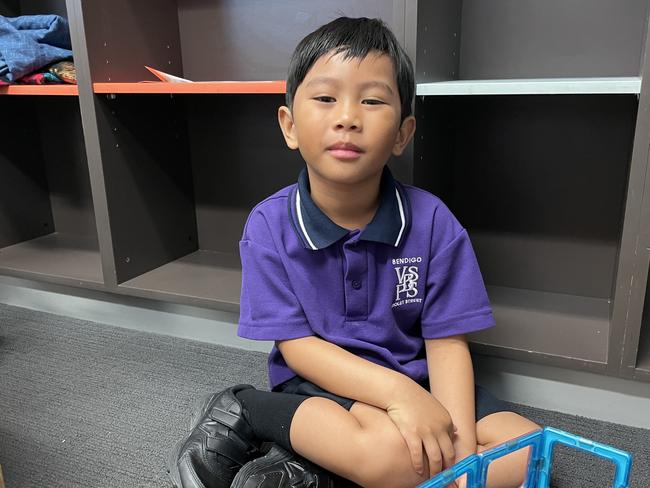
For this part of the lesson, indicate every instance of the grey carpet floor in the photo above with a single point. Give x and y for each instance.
(89, 405)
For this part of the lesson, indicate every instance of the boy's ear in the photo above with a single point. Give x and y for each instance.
(404, 136)
(285, 118)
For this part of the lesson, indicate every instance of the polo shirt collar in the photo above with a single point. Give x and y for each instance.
(317, 231)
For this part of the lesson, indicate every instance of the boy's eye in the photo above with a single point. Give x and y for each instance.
(325, 99)
(372, 101)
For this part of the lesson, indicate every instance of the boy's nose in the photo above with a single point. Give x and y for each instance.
(348, 118)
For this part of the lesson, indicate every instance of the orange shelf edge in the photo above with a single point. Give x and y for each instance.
(207, 87)
(66, 90)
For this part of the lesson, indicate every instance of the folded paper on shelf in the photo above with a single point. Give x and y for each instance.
(167, 77)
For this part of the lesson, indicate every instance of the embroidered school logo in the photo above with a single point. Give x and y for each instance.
(408, 275)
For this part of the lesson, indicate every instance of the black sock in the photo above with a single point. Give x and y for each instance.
(270, 414)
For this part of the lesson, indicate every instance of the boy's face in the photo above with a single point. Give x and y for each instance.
(346, 118)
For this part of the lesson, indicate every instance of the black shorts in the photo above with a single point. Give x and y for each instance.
(485, 402)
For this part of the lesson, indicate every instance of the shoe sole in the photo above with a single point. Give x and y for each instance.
(198, 411)
(249, 468)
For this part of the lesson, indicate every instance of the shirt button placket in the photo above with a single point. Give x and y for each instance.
(357, 269)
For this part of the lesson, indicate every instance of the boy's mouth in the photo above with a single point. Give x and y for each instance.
(345, 150)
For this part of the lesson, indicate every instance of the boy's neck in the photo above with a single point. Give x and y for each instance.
(349, 206)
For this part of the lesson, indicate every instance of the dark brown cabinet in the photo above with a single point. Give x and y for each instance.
(533, 127)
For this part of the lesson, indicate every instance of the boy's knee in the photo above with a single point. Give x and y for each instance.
(385, 461)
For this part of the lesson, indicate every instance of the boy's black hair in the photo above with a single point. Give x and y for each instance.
(356, 38)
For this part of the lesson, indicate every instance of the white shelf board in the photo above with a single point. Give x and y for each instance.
(542, 86)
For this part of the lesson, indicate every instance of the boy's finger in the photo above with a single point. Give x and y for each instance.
(415, 450)
(434, 456)
(447, 450)
(431, 447)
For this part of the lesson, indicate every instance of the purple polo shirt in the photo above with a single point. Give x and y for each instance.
(409, 275)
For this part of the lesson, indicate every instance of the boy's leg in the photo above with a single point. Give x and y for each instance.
(362, 445)
(495, 429)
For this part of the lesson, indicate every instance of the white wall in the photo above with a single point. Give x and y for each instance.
(579, 393)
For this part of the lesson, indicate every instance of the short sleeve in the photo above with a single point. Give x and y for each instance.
(269, 309)
(456, 301)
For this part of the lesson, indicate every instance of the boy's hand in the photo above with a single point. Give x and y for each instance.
(422, 420)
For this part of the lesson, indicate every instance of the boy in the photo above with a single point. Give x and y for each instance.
(367, 287)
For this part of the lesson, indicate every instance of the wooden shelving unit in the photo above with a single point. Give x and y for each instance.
(139, 193)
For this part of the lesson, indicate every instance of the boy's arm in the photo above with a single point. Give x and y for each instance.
(340, 372)
(420, 418)
(452, 383)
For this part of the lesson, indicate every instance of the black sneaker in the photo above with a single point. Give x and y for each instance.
(282, 469)
(220, 442)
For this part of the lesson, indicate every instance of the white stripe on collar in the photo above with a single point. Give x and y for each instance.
(302, 225)
(401, 214)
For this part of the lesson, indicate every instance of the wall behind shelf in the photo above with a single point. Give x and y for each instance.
(245, 48)
(9, 8)
(14, 8)
(32, 7)
(64, 151)
(124, 35)
(506, 39)
(22, 175)
(236, 162)
(539, 182)
(575, 392)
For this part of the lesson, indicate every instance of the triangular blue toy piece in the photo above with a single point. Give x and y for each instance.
(542, 443)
